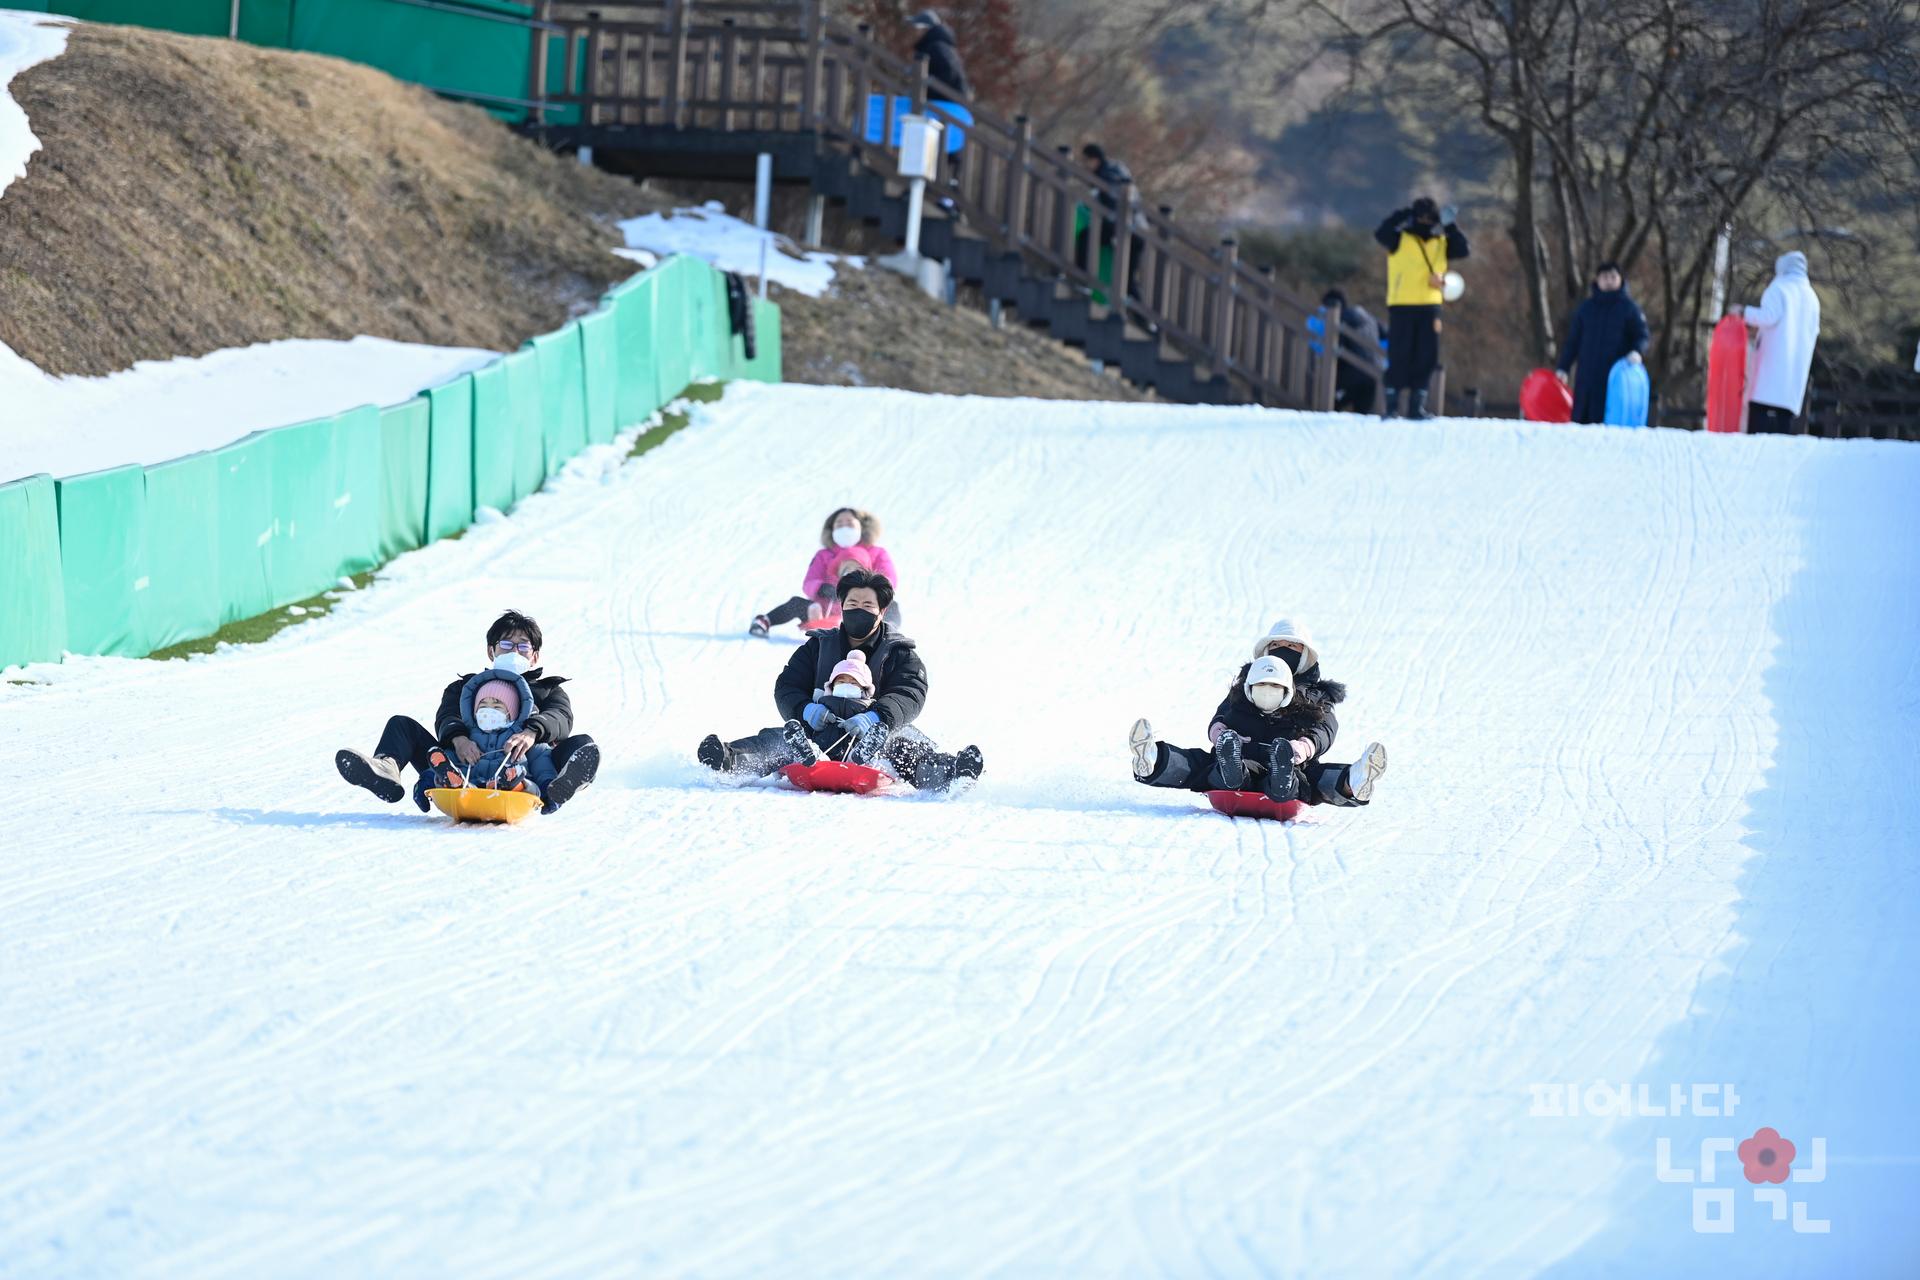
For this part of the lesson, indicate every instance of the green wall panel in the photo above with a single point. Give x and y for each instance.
(563, 394)
(183, 549)
(765, 365)
(639, 392)
(672, 315)
(493, 439)
(522, 370)
(450, 458)
(599, 344)
(302, 554)
(357, 490)
(465, 54)
(103, 560)
(33, 603)
(404, 429)
(247, 525)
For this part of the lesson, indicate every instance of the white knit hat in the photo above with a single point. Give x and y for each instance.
(1269, 670)
(1288, 629)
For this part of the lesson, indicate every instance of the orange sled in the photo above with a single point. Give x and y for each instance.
(1253, 804)
(837, 775)
(483, 804)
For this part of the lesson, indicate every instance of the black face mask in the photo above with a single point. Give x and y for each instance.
(858, 624)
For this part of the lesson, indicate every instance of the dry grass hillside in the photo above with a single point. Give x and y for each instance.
(196, 194)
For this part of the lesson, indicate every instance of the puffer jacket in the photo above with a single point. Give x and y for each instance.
(493, 743)
(1788, 321)
(551, 719)
(900, 678)
(1309, 715)
(828, 563)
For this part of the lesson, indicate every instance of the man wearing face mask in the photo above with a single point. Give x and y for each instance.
(814, 698)
(513, 647)
(1269, 733)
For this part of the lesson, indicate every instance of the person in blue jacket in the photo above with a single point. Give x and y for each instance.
(1607, 326)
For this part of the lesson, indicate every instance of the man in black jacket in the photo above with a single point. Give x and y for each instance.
(1421, 241)
(513, 643)
(946, 75)
(1607, 327)
(1355, 380)
(879, 729)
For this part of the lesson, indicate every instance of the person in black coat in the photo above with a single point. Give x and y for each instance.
(876, 730)
(513, 644)
(946, 74)
(1355, 381)
(1269, 733)
(1607, 326)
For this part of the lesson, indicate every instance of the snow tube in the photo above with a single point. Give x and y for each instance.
(1543, 398)
(1252, 804)
(836, 775)
(1627, 394)
(483, 804)
(1727, 376)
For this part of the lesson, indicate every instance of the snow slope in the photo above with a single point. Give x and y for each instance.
(25, 39)
(1649, 697)
(162, 409)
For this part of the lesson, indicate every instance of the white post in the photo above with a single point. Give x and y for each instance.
(233, 21)
(816, 220)
(585, 156)
(916, 199)
(762, 189)
(766, 242)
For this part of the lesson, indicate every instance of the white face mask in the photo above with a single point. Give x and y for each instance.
(512, 660)
(1267, 697)
(846, 535)
(853, 691)
(491, 719)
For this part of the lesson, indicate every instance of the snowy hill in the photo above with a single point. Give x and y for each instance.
(1649, 697)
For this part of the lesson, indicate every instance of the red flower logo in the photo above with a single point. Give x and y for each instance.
(1768, 1157)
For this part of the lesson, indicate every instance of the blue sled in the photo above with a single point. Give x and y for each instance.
(1627, 394)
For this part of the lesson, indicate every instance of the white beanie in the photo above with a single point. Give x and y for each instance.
(1269, 670)
(1288, 629)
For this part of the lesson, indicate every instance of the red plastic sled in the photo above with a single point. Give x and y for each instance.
(836, 775)
(1727, 376)
(821, 624)
(1253, 804)
(1544, 398)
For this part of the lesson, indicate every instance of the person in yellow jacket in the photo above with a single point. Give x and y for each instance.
(1420, 241)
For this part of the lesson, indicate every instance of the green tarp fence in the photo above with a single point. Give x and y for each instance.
(134, 559)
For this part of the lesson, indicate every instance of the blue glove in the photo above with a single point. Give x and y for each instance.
(862, 722)
(815, 715)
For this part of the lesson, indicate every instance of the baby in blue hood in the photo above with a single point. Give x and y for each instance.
(495, 704)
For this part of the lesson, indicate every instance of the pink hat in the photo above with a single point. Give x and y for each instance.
(854, 669)
(502, 690)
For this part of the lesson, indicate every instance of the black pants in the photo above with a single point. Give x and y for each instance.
(1353, 389)
(1191, 769)
(910, 754)
(795, 610)
(408, 741)
(1413, 347)
(1767, 419)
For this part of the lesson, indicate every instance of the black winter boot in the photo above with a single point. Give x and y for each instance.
(799, 743)
(968, 763)
(1390, 403)
(713, 753)
(1283, 780)
(575, 774)
(1419, 412)
(1229, 770)
(868, 746)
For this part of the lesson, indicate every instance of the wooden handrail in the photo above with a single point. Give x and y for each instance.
(783, 65)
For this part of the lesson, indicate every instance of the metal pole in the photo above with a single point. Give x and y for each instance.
(766, 241)
(816, 219)
(916, 197)
(762, 189)
(233, 21)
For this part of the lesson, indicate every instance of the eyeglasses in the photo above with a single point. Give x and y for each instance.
(520, 647)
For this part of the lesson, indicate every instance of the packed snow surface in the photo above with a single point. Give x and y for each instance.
(25, 39)
(1649, 697)
(712, 234)
(162, 409)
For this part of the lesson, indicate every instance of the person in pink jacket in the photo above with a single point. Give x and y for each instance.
(849, 540)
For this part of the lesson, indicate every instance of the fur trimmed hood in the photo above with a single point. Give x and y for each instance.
(869, 527)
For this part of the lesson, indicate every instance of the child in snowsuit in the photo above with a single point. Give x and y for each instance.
(849, 540)
(1269, 733)
(495, 705)
(852, 691)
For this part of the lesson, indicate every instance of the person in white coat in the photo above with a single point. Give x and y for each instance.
(1788, 323)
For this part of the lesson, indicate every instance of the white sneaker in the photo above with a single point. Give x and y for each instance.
(1146, 752)
(1364, 772)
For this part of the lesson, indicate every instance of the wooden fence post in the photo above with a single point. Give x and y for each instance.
(537, 64)
(1122, 250)
(810, 76)
(1329, 370)
(677, 70)
(1223, 316)
(1017, 182)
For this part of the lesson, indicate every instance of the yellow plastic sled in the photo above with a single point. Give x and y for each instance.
(483, 804)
